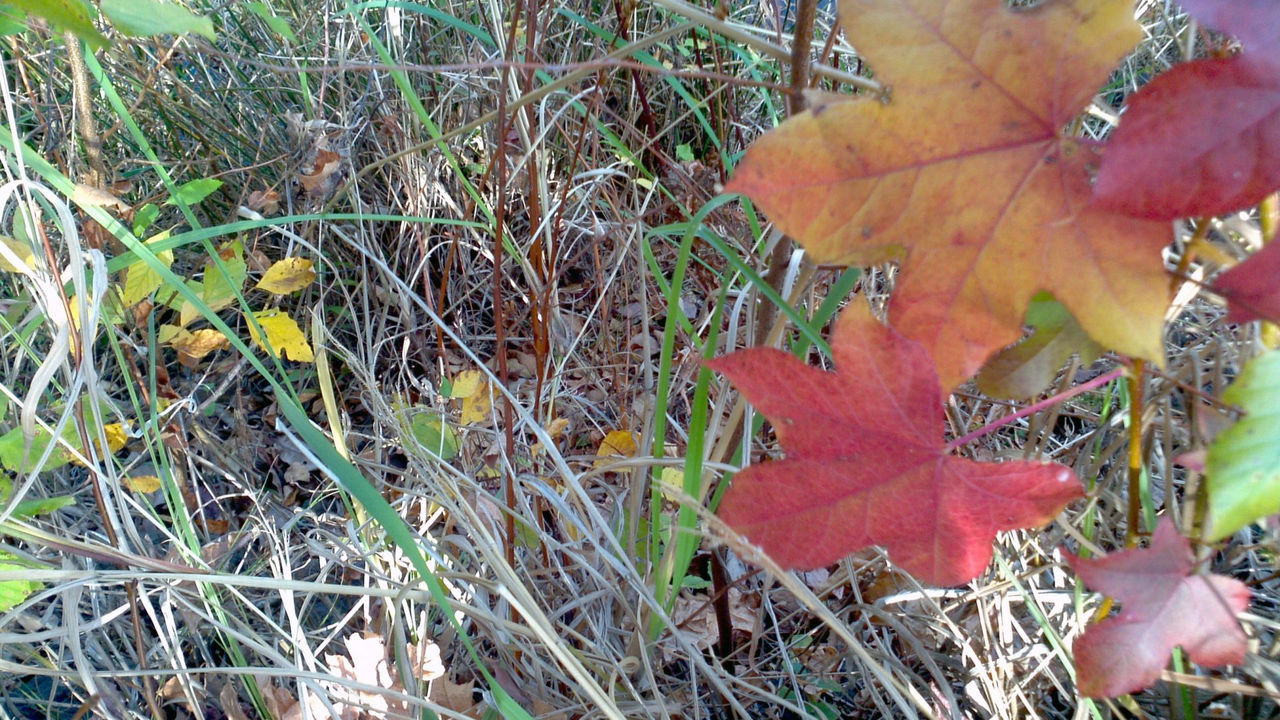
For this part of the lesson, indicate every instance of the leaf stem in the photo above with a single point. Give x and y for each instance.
(1035, 408)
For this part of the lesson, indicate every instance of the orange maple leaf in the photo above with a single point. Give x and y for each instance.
(967, 177)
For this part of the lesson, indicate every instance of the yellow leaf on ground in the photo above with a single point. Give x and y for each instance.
(21, 250)
(143, 483)
(117, 438)
(284, 335)
(199, 343)
(467, 383)
(478, 406)
(618, 443)
(219, 288)
(671, 478)
(288, 275)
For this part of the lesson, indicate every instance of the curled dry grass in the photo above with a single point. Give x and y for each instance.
(542, 219)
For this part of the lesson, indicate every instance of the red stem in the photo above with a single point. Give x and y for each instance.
(1032, 409)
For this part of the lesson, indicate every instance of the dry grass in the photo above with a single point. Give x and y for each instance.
(588, 167)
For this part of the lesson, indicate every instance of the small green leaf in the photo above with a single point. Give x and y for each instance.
(1243, 463)
(13, 592)
(277, 24)
(194, 191)
(144, 218)
(42, 506)
(435, 435)
(145, 18)
(684, 153)
(73, 15)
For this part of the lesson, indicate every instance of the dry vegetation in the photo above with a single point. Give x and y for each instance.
(511, 188)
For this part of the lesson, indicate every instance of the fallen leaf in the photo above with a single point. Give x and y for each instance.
(142, 483)
(266, 201)
(616, 444)
(1253, 287)
(459, 698)
(196, 344)
(467, 383)
(477, 402)
(1163, 605)
(866, 464)
(322, 179)
(966, 177)
(87, 195)
(13, 592)
(287, 276)
(1242, 468)
(23, 260)
(283, 333)
(1026, 369)
(435, 435)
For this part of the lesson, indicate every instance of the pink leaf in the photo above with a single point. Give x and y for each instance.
(1163, 606)
(866, 464)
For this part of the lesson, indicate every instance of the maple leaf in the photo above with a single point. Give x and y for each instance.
(1163, 606)
(1204, 137)
(866, 464)
(1251, 286)
(966, 178)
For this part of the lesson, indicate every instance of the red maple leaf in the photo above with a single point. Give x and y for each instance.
(866, 463)
(1204, 137)
(1253, 286)
(964, 175)
(1162, 606)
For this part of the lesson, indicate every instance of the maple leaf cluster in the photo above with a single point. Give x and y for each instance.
(968, 173)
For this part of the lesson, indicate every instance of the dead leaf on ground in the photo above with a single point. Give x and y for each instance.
(696, 616)
(97, 197)
(323, 176)
(287, 276)
(265, 201)
(472, 386)
(142, 483)
(618, 443)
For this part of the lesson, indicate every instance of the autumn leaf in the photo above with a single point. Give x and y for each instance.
(283, 333)
(616, 444)
(472, 386)
(965, 176)
(196, 344)
(1252, 288)
(866, 464)
(1201, 139)
(1243, 463)
(23, 260)
(142, 483)
(288, 275)
(1163, 605)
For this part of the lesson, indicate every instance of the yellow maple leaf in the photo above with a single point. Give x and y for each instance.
(288, 275)
(618, 443)
(199, 343)
(283, 333)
